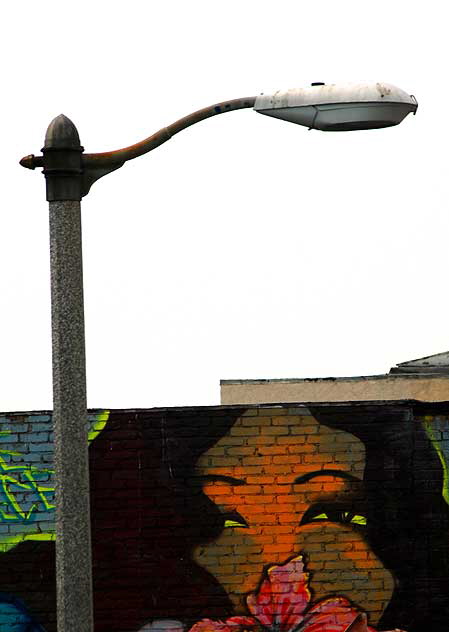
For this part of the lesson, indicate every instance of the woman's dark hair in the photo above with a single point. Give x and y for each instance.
(149, 512)
(408, 518)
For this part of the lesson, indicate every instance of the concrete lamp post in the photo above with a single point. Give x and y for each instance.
(69, 174)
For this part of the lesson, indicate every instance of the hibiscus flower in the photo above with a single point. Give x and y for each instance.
(283, 604)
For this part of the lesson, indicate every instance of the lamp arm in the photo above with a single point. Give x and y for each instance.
(91, 167)
(164, 134)
(98, 165)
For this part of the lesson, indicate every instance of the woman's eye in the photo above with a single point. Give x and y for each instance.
(321, 516)
(234, 519)
(333, 514)
(234, 523)
(358, 519)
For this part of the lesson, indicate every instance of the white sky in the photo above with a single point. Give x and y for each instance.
(245, 247)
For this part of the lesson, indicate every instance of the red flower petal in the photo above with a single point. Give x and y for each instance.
(241, 621)
(334, 614)
(234, 624)
(282, 597)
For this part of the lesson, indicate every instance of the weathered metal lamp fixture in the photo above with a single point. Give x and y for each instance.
(327, 107)
(340, 107)
(69, 174)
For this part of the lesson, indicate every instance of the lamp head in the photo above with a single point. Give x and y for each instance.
(339, 107)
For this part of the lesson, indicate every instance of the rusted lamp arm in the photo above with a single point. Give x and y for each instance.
(66, 167)
(164, 134)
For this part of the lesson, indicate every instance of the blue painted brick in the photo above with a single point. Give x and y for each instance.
(44, 426)
(41, 447)
(19, 427)
(37, 437)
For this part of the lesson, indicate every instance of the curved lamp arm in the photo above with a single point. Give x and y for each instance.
(164, 134)
(70, 173)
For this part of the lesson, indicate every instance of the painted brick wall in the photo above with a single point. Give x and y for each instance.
(286, 518)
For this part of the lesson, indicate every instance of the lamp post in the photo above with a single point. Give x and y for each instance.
(69, 174)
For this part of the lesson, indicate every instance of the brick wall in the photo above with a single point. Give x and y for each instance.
(303, 518)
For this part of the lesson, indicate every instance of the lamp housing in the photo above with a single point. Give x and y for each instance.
(339, 107)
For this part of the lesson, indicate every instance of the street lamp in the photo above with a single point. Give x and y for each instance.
(69, 174)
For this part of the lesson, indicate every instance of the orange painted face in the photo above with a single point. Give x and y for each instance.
(287, 485)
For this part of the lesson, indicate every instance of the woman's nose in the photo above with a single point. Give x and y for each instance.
(279, 542)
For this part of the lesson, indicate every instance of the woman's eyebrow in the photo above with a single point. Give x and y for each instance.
(338, 473)
(221, 477)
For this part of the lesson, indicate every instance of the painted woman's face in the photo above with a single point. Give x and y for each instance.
(287, 485)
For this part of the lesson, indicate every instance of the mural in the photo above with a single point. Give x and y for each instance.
(309, 519)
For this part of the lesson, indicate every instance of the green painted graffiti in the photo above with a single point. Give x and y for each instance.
(437, 429)
(22, 478)
(27, 493)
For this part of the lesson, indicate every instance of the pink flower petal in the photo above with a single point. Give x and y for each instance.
(207, 625)
(259, 604)
(282, 597)
(241, 621)
(334, 614)
(231, 625)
